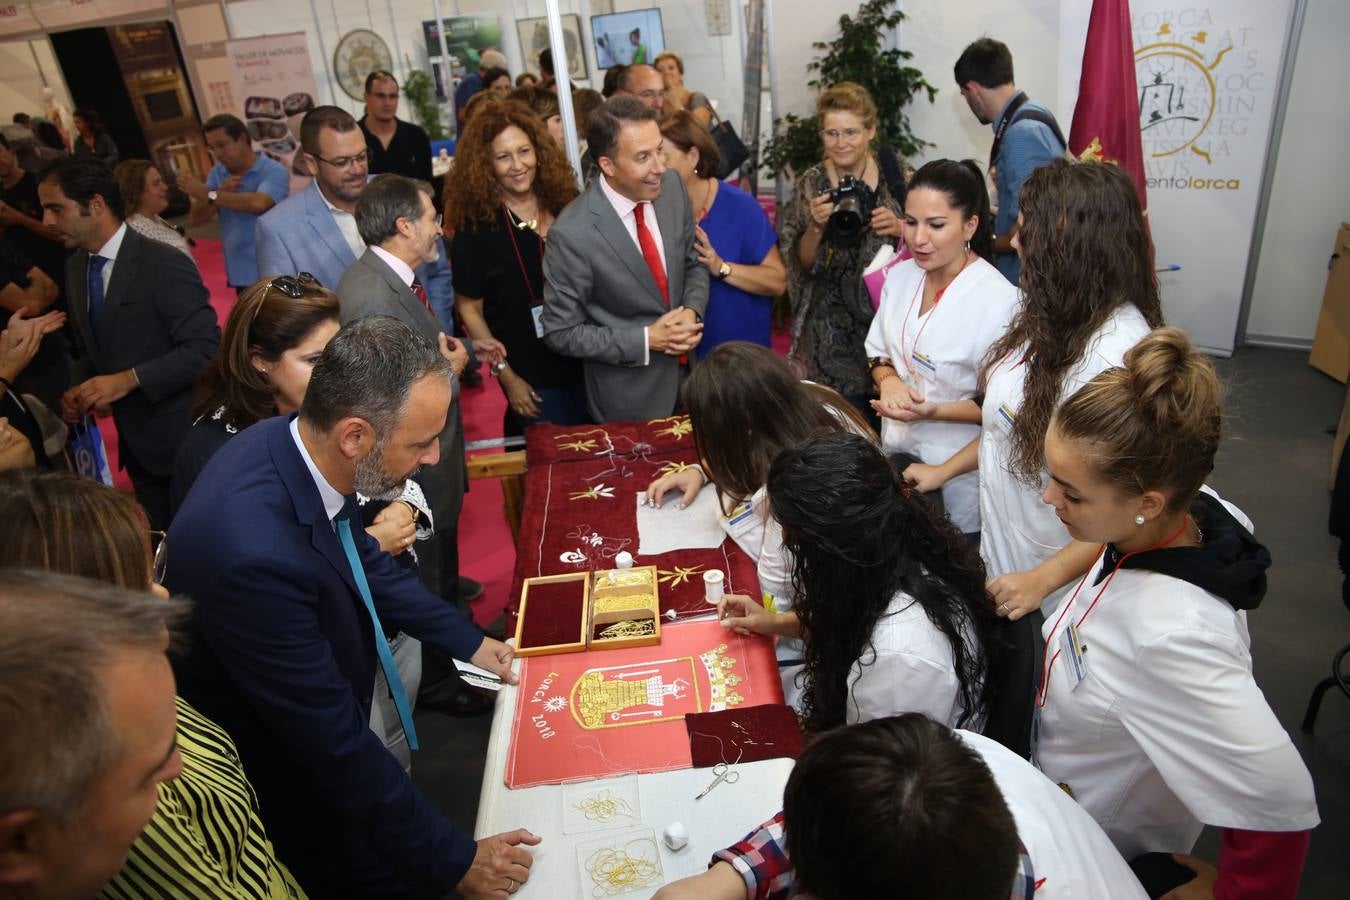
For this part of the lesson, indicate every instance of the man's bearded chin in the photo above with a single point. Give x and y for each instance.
(371, 480)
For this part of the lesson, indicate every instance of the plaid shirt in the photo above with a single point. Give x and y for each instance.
(763, 864)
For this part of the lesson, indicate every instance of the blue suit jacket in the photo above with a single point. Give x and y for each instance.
(282, 656)
(299, 235)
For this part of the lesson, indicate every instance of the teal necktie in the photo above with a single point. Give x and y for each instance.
(344, 530)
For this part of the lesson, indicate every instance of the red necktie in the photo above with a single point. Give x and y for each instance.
(421, 294)
(651, 254)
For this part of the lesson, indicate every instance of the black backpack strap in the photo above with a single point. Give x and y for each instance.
(1045, 118)
(888, 160)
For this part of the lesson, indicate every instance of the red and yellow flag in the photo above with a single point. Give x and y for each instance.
(1106, 118)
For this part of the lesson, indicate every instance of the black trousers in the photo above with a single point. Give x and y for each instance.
(152, 490)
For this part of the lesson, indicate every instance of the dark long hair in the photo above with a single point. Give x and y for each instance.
(963, 185)
(269, 322)
(857, 539)
(746, 406)
(1085, 253)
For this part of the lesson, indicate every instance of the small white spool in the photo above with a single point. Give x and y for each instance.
(712, 587)
(623, 560)
(675, 836)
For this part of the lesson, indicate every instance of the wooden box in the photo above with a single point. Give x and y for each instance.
(624, 595)
(554, 614)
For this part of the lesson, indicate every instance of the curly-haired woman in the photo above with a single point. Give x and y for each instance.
(509, 183)
(1088, 295)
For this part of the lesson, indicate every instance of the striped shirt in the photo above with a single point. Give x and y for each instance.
(206, 838)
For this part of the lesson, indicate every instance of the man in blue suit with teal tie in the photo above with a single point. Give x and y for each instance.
(292, 608)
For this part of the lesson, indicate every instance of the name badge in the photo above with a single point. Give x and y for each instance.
(1006, 414)
(926, 365)
(537, 312)
(1073, 650)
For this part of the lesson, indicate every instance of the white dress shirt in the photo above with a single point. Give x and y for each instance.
(333, 501)
(109, 252)
(346, 223)
(401, 269)
(623, 208)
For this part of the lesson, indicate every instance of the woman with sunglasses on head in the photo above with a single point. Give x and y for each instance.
(825, 255)
(1149, 712)
(509, 183)
(1088, 295)
(889, 598)
(206, 838)
(940, 313)
(271, 341)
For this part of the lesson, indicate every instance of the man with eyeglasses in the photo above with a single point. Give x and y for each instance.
(315, 230)
(241, 186)
(395, 145)
(643, 82)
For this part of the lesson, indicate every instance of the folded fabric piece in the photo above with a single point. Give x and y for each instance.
(745, 734)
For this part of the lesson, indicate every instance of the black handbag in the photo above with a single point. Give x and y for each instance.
(731, 150)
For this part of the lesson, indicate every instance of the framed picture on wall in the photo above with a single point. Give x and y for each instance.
(534, 39)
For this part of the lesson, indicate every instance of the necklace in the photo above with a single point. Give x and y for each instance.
(709, 190)
(523, 222)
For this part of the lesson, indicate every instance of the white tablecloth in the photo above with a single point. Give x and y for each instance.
(723, 817)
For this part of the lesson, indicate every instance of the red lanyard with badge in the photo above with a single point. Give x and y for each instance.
(536, 301)
(914, 355)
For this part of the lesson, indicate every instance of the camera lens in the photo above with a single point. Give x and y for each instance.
(847, 219)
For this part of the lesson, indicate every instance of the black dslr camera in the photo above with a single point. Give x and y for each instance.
(853, 201)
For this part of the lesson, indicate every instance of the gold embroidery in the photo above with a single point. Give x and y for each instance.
(594, 492)
(679, 575)
(679, 426)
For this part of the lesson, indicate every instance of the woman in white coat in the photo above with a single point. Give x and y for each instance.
(890, 600)
(1088, 295)
(746, 406)
(1148, 710)
(940, 312)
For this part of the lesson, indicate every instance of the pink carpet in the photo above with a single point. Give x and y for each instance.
(485, 548)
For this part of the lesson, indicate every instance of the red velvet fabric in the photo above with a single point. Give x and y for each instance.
(553, 614)
(580, 509)
(1261, 865)
(746, 734)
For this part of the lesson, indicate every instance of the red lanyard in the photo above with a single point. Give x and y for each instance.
(511, 230)
(1043, 690)
(904, 323)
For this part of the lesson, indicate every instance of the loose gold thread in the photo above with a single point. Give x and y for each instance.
(604, 807)
(629, 628)
(614, 870)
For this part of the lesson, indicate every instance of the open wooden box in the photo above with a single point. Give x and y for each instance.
(553, 615)
(569, 613)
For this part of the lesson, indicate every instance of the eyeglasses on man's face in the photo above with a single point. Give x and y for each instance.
(345, 162)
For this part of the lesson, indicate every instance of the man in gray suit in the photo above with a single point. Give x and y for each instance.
(402, 231)
(624, 289)
(145, 322)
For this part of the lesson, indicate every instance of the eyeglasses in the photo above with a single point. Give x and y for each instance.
(346, 162)
(649, 95)
(293, 286)
(160, 566)
(848, 134)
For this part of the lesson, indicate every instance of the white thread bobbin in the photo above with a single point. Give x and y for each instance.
(623, 560)
(675, 835)
(712, 587)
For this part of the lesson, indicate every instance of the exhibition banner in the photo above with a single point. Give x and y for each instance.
(1207, 77)
(273, 83)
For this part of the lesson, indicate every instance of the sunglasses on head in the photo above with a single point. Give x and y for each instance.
(294, 286)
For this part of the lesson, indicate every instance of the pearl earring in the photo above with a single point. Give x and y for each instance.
(1139, 519)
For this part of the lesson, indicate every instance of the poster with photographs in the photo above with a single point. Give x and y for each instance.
(274, 80)
(534, 40)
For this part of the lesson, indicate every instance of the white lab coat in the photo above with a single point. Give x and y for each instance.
(940, 355)
(1020, 531)
(909, 669)
(1168, 729)
(1067, 849)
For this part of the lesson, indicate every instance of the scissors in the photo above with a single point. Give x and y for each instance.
(723, 773)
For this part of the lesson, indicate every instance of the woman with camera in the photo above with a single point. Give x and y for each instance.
(509, 183)
(733, 238)
(842, 210)
(940, 313)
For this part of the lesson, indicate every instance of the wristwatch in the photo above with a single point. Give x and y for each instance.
(724, 272)
(211, 196)
(498, 368)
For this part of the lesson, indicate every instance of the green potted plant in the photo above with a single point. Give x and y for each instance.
(856, 55)
(417, 88)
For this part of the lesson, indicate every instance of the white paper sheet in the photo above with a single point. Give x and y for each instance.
(664, 528)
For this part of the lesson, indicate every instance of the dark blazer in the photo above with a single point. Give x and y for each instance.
(281, 655)
(156, 318)
(599, 296)
(370, 288)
